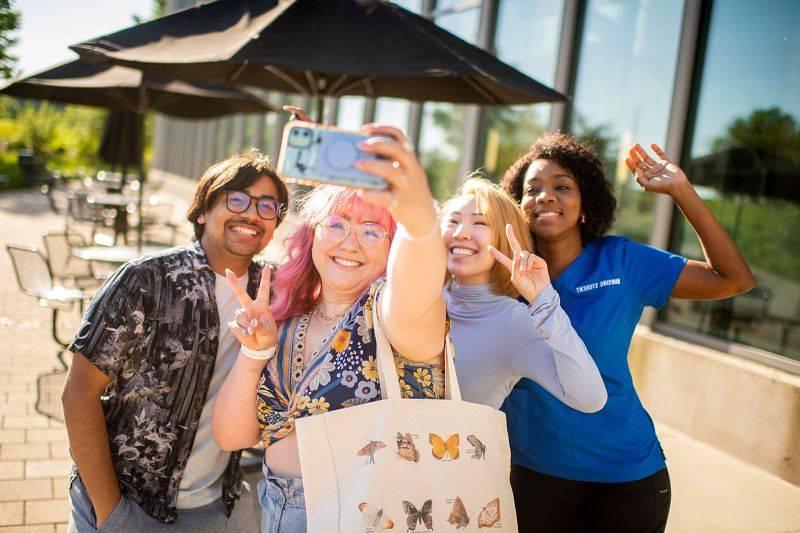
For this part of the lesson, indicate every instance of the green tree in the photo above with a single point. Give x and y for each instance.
(765, 228)
(510, 133)
(768, 130)
(9, 23)
(36, 127)
(159, 10)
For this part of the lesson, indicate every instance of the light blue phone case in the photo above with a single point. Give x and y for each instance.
(314, 154)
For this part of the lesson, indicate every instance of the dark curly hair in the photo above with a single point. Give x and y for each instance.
(597, 199)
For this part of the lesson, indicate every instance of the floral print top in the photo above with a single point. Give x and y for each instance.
(342, 373)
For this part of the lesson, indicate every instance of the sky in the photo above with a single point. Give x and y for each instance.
(50, 26)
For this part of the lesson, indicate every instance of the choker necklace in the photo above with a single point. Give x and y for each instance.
(325, 318)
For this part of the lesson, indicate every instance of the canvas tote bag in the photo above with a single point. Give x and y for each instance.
(407, 464)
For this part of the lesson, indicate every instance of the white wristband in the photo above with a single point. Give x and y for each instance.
(259, 355)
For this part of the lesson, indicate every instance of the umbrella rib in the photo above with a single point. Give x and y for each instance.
(286, 79)
(367, 81)
(238, 71)
(475, 85)
(312, 83)
(168, 99)
(125, 103)
(335, 85)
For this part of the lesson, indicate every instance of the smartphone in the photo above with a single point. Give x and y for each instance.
(312, 154)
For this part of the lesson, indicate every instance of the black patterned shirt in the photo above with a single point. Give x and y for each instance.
(153, 328)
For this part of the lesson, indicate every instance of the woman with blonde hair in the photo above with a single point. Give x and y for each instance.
(499, 340)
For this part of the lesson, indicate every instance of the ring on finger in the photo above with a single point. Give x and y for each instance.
(240, 317)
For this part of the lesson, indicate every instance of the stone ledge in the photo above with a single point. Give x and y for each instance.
(747, 409)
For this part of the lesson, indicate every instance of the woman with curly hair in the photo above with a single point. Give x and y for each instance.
(603, 471)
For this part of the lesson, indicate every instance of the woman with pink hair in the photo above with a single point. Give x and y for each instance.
(313, 350)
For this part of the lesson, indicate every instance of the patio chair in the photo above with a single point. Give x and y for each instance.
(66, 268)
(158, 224)
(35, 279)
(56, 191)
(80, 210)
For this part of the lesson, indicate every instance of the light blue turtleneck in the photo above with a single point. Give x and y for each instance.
(499, 340)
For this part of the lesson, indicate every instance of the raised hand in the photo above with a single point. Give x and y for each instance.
(662, 176)
(529, 272)
(298, 113)
(253, 324)
(408, 197)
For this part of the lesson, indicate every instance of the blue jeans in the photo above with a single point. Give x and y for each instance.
(283, 505)
(127, 516)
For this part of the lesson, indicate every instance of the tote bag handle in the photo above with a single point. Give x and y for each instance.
(390, 388)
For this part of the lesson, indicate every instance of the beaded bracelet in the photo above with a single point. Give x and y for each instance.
(259, 355)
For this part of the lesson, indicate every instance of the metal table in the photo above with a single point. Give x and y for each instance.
(120, 203)
(115, 255)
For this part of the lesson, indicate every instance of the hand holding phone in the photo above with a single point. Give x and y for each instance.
(408, 196)
(314, 153)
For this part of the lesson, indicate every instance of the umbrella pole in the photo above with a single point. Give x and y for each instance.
(139, 225)
(320, 109)
(139, 210)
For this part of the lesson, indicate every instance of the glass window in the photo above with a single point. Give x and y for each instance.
(744, 157)
(392, 111)
(351, 112)
(526, 37)
(626, 69)
(442, 131)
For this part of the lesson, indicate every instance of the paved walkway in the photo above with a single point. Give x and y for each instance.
(712, 492)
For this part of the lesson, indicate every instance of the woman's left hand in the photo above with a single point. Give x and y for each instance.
(529, 272)
(662, 176)
(408, 197)
(253, 324)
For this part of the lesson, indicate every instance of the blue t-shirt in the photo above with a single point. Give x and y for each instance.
(603, 292)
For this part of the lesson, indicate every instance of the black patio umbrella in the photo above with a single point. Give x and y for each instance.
(318, 48)
(128, 94)
(124, 89)
(121, 144)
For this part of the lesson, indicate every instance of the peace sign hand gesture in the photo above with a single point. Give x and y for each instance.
(662, 176)
(253, 324)
(529, 272)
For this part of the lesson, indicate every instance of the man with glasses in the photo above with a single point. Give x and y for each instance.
(150, 357)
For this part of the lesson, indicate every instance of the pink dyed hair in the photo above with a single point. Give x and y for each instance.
(297, 283)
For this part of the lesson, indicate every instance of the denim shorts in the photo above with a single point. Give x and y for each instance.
(283, 506)
(127, 516)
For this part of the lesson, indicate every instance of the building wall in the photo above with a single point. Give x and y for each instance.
(742, 407)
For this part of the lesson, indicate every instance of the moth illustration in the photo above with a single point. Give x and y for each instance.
(441, 447)
(406, 449)
(478, 448)
(374, 517)
(490, 515)
(458, 516)
(370, 449)
(415, 517)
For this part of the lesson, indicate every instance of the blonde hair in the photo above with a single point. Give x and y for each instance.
(499, 209)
